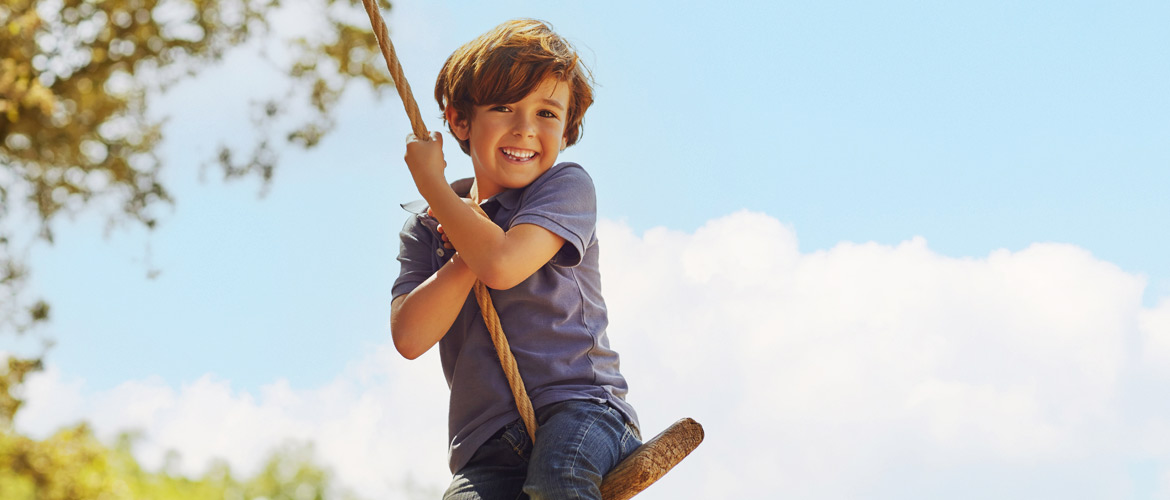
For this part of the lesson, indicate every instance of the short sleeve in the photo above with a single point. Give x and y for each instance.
(564, 202)
(415, 256)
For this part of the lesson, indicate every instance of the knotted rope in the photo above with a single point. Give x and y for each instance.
(482, 297)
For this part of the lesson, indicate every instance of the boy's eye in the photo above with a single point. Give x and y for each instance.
(547, 114)
(499, 108)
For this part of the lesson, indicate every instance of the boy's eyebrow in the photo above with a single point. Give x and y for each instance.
(553, 102)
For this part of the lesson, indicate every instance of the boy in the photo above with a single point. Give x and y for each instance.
(514, 98)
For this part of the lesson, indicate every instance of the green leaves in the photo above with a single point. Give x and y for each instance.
(74, 465)
(11, 376)
(76, 82)
(77, 78)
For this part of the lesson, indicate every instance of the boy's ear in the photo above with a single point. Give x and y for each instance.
(564, 142)
(458, 124)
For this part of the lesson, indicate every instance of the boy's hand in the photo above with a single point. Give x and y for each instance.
(446, 242)
(425, 160)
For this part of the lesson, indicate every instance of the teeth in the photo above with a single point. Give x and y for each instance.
(519, 153)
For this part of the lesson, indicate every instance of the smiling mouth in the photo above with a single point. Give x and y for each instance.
(516, 154)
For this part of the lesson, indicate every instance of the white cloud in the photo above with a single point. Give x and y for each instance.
(1154, 325)
(862, 371)
(378, 425)
(840, 373)
(49, 402)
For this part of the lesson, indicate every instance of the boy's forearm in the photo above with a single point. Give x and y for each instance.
(477, 239)
(419, 319)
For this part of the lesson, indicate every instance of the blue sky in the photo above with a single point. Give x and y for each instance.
(927, 138)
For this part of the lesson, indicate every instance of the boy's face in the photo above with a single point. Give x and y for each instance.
(514, 143)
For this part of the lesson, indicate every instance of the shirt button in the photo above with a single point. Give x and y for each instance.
(440, 252)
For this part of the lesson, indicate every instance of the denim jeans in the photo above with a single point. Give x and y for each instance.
(577, 442)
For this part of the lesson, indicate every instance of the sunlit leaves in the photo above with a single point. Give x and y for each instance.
(12, 375)
(74, 465)
(76, 82)
(77, 78)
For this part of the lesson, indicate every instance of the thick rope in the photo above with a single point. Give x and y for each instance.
(507, 361)
(400, 83)
(482, 297)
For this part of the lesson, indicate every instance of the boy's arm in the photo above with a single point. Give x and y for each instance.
(501, 259)
(419, 319)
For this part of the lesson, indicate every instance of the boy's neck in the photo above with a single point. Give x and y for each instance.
(476, 195)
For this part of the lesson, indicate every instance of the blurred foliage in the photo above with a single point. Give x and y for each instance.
(74, 465)
(76, 134)
(76, 77)
(11, 378)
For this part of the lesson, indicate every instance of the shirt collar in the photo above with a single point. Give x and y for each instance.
(507, 199)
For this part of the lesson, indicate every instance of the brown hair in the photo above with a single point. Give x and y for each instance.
(506, 64)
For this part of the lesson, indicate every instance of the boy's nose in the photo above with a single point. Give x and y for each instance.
(523, 127)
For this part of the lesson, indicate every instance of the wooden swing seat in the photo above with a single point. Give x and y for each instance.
(652, 460)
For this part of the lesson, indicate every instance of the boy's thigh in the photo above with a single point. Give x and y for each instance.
(577, 442)
(497, 470)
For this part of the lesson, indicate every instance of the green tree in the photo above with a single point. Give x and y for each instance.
(77, 78)
(74, 465)
(76, 81)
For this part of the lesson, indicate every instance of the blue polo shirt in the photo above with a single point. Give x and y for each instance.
(555, 320)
